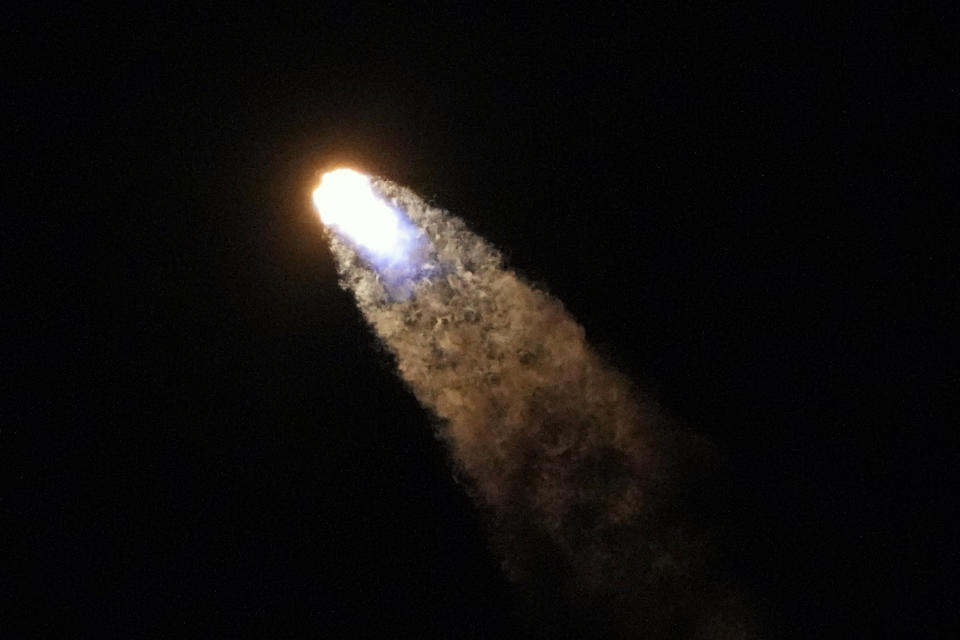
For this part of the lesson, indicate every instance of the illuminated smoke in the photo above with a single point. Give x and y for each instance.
(584, 480)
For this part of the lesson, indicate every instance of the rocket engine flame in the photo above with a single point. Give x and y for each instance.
(348, 205)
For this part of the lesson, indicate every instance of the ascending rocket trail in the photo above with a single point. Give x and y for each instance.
(581, 475)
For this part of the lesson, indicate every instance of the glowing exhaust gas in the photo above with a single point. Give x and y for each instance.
(577, 469)
(348, 205)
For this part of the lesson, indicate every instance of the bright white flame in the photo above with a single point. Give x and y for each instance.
(347, 204)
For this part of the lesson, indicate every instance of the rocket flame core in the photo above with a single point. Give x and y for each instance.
(348, 205)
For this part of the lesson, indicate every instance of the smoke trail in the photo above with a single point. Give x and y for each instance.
(585, 481)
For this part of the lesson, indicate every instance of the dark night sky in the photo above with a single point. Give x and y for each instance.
(746, 209)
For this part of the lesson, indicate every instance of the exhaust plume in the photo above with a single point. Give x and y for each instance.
(586, 485)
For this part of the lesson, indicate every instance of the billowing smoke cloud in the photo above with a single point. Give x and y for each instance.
(587, 486)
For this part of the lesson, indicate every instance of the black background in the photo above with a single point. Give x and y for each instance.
(749, 209)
